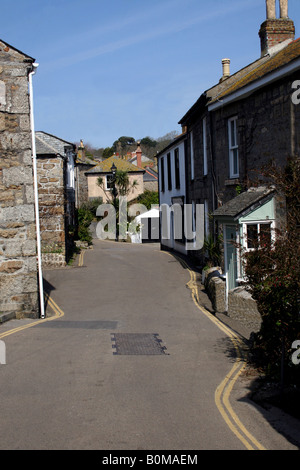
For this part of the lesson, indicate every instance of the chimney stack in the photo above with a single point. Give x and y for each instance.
(276, 33)
(81, 150)
(139, 155)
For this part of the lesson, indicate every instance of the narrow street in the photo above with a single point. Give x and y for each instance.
(129, 363)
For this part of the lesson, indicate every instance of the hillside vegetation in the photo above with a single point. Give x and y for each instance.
(150, 147)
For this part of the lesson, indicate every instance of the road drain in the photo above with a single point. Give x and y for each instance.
(137, 344)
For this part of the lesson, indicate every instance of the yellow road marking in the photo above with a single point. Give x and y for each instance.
(80, 261)
(58, 314)
(223, 391)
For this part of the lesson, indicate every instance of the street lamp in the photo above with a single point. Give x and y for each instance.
(113, 170)
(114, 191)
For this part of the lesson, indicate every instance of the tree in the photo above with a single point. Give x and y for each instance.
(123, 145)
(107, 152)
(273, 278)
(122, 187)
(148, 142)
(148, 198)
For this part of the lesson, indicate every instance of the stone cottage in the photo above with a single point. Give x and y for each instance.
(238, 126)
(104, 170)
(235, 128)
(18, 254)
(56, 183)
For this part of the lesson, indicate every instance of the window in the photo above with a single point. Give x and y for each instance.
(70, 172)
(109, 182)
(256, 233)
(204, 148)
(169, 171)
(233, 148)
(177, 169)
(192, 155)
(162, 172)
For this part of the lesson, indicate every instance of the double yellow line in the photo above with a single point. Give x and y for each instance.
(58, 313)
(224, 390)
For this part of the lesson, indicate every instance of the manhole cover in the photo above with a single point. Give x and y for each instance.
(139, 344)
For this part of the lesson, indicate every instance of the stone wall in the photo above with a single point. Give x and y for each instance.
(215, 288)
(260, 117)
(52, 209)
(18, 267)
(82, 192)
(150, 186)
(240, 306)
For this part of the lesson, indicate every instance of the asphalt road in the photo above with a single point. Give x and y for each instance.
(129, 362)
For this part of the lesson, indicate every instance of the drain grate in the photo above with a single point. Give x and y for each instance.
(138, 344)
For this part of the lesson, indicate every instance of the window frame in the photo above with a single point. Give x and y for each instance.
(162, 179)
(107, 184)
(177, 168)
(233, 148)
(258, 223)
(169, 171)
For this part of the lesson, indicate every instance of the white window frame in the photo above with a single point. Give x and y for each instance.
(205, 170)
(258, 223)
(233, 148)
(70, 172)
(106, 185)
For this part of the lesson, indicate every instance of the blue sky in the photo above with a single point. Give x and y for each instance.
(129, 67)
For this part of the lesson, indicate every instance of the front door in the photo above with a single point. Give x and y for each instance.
(230, 256)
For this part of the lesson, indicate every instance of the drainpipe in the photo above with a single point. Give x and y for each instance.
(37, 216)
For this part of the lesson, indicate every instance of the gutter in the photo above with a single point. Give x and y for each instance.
(37, 216)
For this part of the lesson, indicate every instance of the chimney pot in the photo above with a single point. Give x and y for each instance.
(271, 9)
(226, 68)
(284, 9)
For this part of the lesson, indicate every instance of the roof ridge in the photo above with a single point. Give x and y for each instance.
(55, 137)
(265, 68)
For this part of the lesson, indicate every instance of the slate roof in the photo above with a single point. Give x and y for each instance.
(271, 63)
(150, 175)
(85, 160)
(245, 76)
(9, 46)
(122, 165)
(47, 144)
(244, 203)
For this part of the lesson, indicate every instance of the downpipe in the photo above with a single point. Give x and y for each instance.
(36, 200)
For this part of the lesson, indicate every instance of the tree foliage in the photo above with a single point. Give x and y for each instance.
(150, 147)
(273, 278)
(148, 198)
(122, 186)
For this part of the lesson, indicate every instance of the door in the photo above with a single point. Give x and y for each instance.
(231, 256)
